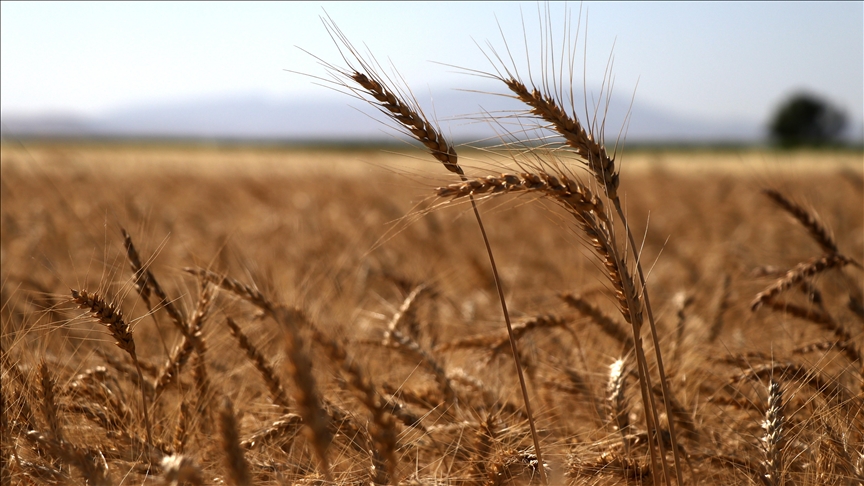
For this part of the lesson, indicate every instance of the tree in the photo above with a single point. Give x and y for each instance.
(806, 119)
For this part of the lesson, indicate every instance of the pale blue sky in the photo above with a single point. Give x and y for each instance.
(712, 60)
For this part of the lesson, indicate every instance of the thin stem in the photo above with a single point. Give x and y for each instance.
(652, 420)
(540, 465)
(144, 404)
(663, 381)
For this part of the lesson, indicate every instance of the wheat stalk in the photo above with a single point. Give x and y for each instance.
(145, 281)
(606, 323)
(274, 384)
(299, 366)
(811, 223)
(602, 166)
(112, 317)
(235, 462)
(409, 116)
(797, 275)
(383, 430)
(48, 401)
(287, 425)
(723, 305)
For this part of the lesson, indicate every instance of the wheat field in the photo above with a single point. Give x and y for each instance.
(543, 308)
(349, 262)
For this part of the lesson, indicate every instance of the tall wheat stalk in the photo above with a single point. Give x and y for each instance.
(546, 102)
(406, 111)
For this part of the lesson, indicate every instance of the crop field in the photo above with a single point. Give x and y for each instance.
(251, 315)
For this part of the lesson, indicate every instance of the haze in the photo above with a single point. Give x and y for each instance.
(712, 61)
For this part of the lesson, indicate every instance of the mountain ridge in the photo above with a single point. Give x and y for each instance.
(461, 114)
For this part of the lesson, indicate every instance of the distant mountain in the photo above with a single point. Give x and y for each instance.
(462, 115)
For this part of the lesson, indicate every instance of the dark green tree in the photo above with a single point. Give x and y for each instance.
(805, 119)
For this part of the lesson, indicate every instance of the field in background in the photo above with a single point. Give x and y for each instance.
(357, 240)
(276, 159)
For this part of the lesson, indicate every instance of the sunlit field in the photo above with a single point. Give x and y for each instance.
(183, 314)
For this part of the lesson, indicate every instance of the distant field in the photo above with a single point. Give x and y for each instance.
(286, 160)
(356, 244)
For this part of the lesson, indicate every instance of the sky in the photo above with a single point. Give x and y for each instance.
(720, 60)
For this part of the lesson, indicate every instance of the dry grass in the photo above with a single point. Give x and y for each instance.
(338, 257)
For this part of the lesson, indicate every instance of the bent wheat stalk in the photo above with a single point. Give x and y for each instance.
(602, 166)
(577, 199)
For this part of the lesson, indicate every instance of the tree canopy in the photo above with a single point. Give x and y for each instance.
(806, 119)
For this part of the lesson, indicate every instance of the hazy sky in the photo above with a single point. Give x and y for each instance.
(712, 60)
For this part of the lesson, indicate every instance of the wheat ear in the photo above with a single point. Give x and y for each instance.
(287, 425)
(619, 412)
(202, 377)
(444, 153)
(412, 119)
(573, 195)
(181, 431)
(48, 402)
(145, 282)
(141, 278)
(811, 223)
(483, 442)
(602, 238)
(192, 341)
(405, 310)
(798, 274)
(720, 312)
(606, 323)
(274, 384)
(306, 391)
(602, 166)
(235, 462)
(173, 365)
(774, 439)
(112, 317)
(581, 141)
(682, 300)
(668, 398)
(412, 349)
(179, 469)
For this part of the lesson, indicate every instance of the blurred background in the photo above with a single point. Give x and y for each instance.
(772, 73)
